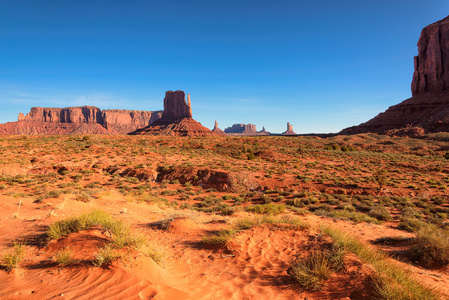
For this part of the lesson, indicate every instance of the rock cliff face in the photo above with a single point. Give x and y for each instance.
(79, 120)
(126, 121)
(176, 119)
(241, 128)
(428, 108)
(432, 63)
(74, 115)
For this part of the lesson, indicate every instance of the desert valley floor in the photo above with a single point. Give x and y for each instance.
(139, 217)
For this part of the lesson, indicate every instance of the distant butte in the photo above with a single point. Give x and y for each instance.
(218, 130)
(428, 108)
(176, 119)
(79, 120)
(289, 130)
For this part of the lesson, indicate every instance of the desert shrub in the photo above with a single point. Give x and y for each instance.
(296, 202)
(226, 209)
(185, 206)
(431, 245)
(251, 156)
(380, 177)
(220, 238)
(410, 224)
(12, 259)
(347, 215)
(346, 206)
(438, 200)
(83, 197)
(267, 209)
(381, 213)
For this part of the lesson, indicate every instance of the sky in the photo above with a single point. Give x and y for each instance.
(321, 65)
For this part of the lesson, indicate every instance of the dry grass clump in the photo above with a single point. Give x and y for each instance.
(12, 259)
(64, 257)
(431, 245)
(155, 255)
(105, 256)
(312, 272)
(267, 209)
(122, 235)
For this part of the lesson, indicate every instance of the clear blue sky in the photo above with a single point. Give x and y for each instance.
(320, 65)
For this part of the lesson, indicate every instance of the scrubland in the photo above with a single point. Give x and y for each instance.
(96, 217)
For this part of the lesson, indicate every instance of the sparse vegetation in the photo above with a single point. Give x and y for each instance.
(64, 257)
(12, 259)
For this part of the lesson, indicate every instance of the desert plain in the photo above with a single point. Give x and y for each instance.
(268, 217)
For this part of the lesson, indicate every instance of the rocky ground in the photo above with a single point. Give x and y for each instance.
(225, 217)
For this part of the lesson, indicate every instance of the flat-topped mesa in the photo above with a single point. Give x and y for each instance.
(79, 120)
(241, 128)
(432, 63)
(74, 115)
(175, 106)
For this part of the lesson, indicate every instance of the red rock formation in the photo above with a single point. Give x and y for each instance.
(175, 106)
(176, 119)
(241, 128)
(432, 63)
(428, 108)
(263, 132)
(79, 120)
(218, 130)
(289, 130)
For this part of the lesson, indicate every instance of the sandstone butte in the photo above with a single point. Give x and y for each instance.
(79, 120)
(289, 130)
(176, 119)
(428, 108)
